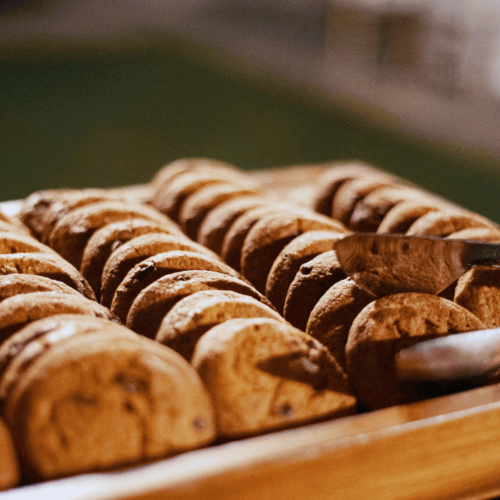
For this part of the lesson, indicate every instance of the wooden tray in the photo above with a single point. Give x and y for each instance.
(445, 448)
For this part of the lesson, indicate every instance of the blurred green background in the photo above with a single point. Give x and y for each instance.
(112, 120)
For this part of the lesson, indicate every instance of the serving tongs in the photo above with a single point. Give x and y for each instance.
(387, 264)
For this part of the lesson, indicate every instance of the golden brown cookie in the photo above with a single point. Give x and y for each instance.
(271, 234)
(96, 402)
(35, 206)
(207, 165)
(149, 270)
(352, 191)
(8, 224)
(18, 284)
(300, 250)
(236, 234)
(443, 224)
(138, 249)
(333, 178)
(15, 242)
(196, 206)
(400, 217)
(311, 282)
(155, 301)
(192, 316)
(332, 316)
(487, 234)
(10, 474)
(17, 311)
(218, 221)
(53, 329)
(50, 266)
(478, 291)
(390, 324)
(72, 232)
(107, 239)
(369, 211)
(265, 375)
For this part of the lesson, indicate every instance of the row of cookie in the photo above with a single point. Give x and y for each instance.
(81, 393)
(369, 200)
(247, 229)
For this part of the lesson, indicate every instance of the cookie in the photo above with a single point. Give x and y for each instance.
(197, 205)
(149, 270)
(333, 178)
(72, 232)
(53, 329)
(155, 301)
(97, 402)
(311, 282)
(265, 375)
(18, 284)
(50, 266)
(107, 239)
(351, 192)
(14, 242)
(218, 221)
(443, 224)
(35, 206)
(478, 291)
(332, 316)
(487, 234)
(370, 211)
(8, 224)
(236, 234)
(390, 324)
(207, 165)
(271, 234)
(10, 474)
(192, 316)
(401, 217)
(17, 311)
(138, 249)
(300, 250)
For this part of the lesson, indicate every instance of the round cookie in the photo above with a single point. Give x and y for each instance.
(72, 232)
(236, 234)
(10, 474)
(333, 178)
(265, 375)
(478, 291)
(192, 316)
(17, 311)
(18, 284)
(271, 234)
(369, 212)
(149, 270)
(97, 402)
(332, 316)
(197, 205)
(50, 266)
(53, 329)
(286, 266)
(155, 301)
(311, 282)
(138, 249)
(167, 173)
(401, 217)
(35, 206)
(15, 242)
(487, 234)
(443, 224)
(8, 227)
(107, 239)
(218, 221)
(351, 192)
(390, 324)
